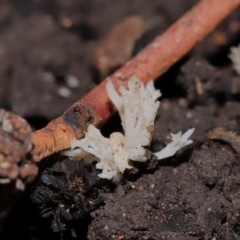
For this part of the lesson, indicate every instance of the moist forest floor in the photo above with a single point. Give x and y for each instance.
(47, 45)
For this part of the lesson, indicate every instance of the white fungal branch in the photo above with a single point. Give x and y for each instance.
(137, 108)
(178, 141)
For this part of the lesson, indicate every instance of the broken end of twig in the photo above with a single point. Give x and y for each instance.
(58, 134)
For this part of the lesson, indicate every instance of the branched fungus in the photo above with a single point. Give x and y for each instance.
(137, 108)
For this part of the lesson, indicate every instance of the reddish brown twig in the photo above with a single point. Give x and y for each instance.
(95, 108)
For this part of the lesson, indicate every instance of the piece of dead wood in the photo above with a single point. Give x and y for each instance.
(116, 48)
(95, 108)
(229, 135)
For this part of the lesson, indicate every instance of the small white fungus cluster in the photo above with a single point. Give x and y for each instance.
(235, 58)
(137, 108)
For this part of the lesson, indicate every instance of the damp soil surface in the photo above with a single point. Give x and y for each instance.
(53, 52)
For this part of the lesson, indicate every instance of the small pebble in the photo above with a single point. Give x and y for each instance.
(72, 81)
(183, 102)
(64, 92)
(152, 186)
(48, 77)
(4, 180)
(196, 121)
(219, 38)
(188, 115)
(67, 22)
(20, 185)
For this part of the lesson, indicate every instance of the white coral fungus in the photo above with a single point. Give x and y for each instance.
(137, 107)
(235, 58)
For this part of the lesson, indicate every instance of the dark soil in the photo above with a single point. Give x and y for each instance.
(193, 195)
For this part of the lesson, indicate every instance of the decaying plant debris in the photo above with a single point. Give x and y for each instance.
(67, 193)
(116, 49)
(17, 165)
(193, 195)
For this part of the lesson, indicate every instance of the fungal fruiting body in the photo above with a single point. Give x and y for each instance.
(137, 108)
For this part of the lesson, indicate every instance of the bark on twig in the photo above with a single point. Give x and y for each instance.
(95, 108)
